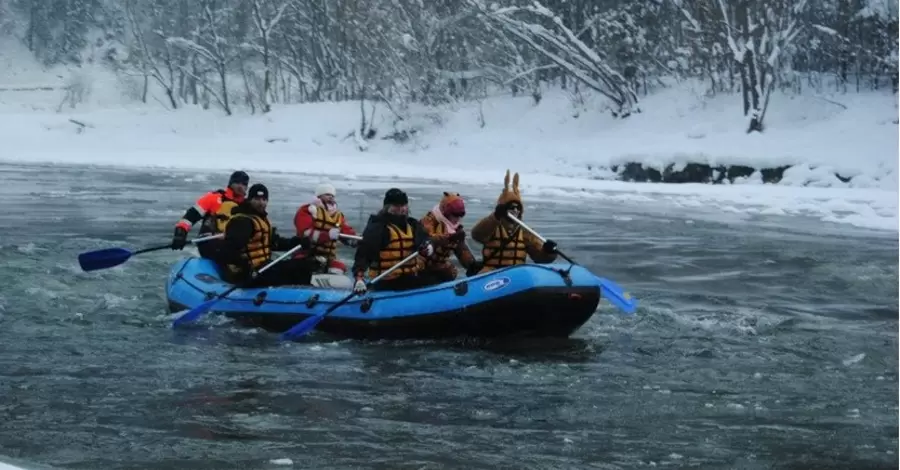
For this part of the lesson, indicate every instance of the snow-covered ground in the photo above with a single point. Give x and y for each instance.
(556, 153)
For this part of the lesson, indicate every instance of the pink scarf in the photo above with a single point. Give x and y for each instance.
(449, 226)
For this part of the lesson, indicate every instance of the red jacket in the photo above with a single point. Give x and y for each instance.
(317, 226)
(208, 204)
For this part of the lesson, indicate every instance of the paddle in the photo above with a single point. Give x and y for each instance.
(351, 237)
(310, 323)
(196, 312)
(610, 289)
(110, 257)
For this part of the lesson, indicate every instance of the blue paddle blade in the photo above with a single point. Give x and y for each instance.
(194, 313)
(102, 259)
(616, 296)
(303, 327)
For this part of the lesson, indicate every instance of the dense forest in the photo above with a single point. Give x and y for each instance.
(255, 53)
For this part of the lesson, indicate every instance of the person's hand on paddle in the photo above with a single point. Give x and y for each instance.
(474, 268)
(549, 247)
(500, 211)
(303, 242)
(359, 287)
(459, 235)
(426, 250)
(334, 233)
(179, 240)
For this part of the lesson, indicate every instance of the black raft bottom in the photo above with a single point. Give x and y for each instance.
(540, 312)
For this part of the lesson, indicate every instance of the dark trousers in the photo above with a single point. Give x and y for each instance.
(287, 272)
(405, 282)
(210, 249)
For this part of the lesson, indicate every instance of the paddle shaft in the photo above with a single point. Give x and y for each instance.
(373, 281)
(196, 312)
(311, 322)
(163, 247)
(538, 236)
(621, 299)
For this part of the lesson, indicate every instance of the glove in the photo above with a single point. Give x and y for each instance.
(179, 239)
(459, 236)
(500, 211)
(474, 268)
(334, 233)
(549, 247)
(359, 286)
(426, 250)
(303, 242)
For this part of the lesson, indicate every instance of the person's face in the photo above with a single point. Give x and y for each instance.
(515, 209)
(455, 216)
(259, 203)
(394, 209)
(239, 189)
(328, 200)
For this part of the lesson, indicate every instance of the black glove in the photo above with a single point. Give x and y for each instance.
(459, 236)
(549, 247)
(303, 242)
(501, 211)
(474, 268)
(179, 240)
(349, 242)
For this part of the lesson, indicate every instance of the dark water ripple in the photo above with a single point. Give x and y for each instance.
(756, 347)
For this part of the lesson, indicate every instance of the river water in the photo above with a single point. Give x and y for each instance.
(763, 343)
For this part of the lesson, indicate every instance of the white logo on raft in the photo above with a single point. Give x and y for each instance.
(496, 284)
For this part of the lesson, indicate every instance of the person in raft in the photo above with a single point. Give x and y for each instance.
(249, 242)
(504, 242)
(214, 210)
(322, 222)
(390, 236)
(444, 225)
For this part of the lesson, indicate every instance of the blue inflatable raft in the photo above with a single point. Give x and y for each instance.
(550, 300)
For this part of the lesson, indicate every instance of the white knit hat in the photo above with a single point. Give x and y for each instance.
(325, 188)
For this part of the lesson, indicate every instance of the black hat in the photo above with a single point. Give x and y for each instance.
(258, 190)
(239, 177)
(395, 197)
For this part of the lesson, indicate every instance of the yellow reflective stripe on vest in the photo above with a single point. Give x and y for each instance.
(323, 223)
(512, 252)
(402, 244)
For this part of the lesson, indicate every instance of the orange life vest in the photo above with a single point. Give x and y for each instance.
(323, 222)
(504, 249)
(258, 251)
(402, 244)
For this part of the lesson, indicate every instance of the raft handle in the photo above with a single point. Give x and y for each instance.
(312, 301)
(259, 299)
(565, 275)
(461, 288)
(209, 295)
(365, 305)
